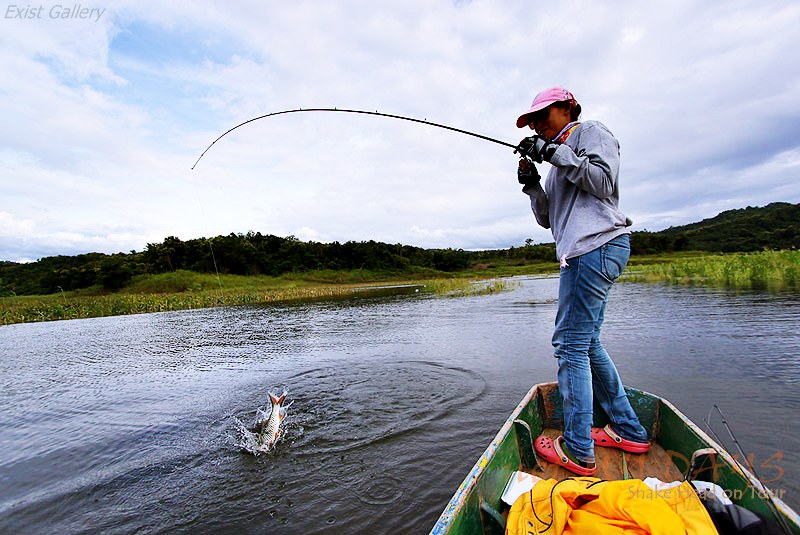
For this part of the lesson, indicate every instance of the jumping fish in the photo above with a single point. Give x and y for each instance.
(269, 430)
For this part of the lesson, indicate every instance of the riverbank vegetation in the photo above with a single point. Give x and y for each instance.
(254, 268)
(184, 290)
(774, 227)
(765, 270)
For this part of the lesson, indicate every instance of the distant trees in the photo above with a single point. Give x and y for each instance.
(774, 226)
(115, 271)
(239, 254)
(57, 273)
(255, 253)
(657, 242)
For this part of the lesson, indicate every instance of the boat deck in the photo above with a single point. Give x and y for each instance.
(611, 464)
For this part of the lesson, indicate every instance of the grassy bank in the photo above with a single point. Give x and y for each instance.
(765, 270)
(183, 290)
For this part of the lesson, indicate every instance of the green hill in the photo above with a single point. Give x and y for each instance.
(775, 226)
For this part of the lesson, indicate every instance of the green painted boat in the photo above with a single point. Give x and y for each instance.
(680, 450)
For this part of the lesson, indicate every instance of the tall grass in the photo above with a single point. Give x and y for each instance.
(766, 270)
(463, 286)
(183, 290)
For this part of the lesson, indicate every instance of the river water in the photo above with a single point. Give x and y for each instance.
(127, 424)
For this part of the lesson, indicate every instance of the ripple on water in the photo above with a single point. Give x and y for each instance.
(393, 399)
(377, 489)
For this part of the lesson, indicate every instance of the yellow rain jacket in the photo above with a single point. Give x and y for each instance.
(587, 505)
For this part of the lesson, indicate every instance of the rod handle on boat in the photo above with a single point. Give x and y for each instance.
(698, 463)
(495, 523)
(527, 453)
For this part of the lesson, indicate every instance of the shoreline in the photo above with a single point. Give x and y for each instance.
(772, 271)
(33, 309)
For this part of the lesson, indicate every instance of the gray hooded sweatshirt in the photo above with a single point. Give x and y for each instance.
(580, 198)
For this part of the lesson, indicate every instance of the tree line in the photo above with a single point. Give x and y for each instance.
(774, 226)
(239, 254)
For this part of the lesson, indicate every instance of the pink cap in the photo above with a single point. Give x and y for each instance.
(543, 100)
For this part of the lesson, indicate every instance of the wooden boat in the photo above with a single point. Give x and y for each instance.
(680, 450)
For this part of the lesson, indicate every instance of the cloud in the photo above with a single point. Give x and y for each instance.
(103, 120)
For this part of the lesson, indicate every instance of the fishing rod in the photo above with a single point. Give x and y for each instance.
(767, 493)
(363, 112)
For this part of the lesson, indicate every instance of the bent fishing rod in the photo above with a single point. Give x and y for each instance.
(363, 112)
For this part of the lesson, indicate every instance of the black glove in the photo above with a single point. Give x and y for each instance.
(527, 174)
(537, 147)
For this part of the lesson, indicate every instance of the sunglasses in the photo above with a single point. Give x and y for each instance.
(540, 115)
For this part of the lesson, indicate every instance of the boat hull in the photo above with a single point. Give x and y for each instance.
(681, 448)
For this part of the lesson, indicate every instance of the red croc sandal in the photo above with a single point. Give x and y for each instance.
(551, 451)
(606, 437)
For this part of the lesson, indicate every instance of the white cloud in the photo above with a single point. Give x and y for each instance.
(101, 121)
(11, 226)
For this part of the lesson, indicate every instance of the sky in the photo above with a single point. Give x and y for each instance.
(106, 105)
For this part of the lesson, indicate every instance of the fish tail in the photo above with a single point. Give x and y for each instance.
(275, 399)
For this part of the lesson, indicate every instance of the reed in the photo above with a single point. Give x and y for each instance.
(461, 287)
(774, 271)
(188, 290)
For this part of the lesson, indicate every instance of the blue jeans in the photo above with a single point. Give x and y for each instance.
(585, 371)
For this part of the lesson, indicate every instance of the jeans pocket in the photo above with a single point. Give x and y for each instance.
(615, 256)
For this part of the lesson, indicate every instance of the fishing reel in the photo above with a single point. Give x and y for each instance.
(536, 148)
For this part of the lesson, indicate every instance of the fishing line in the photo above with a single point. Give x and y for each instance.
(214, 260)
(204, 216)
(363, 112)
